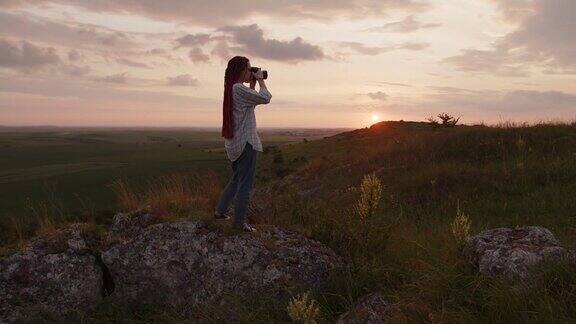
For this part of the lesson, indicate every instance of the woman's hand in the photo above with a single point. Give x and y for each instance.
(258, 75)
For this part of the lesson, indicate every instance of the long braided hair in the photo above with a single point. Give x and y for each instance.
(235, 67)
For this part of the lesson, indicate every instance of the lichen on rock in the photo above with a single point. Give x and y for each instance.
(54, 274)
(511, 253)
(184, 264)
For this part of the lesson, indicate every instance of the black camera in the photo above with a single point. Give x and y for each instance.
(264, 72)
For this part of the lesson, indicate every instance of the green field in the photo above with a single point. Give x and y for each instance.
(73, 167)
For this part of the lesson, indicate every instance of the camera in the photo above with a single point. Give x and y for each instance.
(255, 69)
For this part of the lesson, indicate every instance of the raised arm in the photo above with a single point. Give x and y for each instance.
(252, 96)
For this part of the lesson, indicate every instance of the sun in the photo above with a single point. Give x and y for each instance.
(375, 117)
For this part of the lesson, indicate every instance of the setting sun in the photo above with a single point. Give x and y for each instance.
(375, 117)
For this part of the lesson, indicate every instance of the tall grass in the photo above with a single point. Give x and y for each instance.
(508, 175)
(170, 195)
(166, 196)
(126, 198)
(44, 217)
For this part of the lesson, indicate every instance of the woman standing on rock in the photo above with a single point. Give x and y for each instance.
(241, 139)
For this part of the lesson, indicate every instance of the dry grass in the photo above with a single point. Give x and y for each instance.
(171, 195)
(126, 198)
(460, 227)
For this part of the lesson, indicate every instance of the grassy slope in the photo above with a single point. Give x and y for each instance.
(499, 176)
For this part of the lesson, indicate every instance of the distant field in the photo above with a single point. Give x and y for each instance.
(75, 165)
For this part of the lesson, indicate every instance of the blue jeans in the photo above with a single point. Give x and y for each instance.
(244, 171)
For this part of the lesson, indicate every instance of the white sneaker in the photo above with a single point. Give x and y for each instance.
(247, 227)
(217, 215)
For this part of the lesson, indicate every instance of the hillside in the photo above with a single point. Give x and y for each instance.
(394, 200)
(505, 176)
(499, 175)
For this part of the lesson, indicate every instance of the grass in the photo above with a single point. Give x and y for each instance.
(504, 175)
(405, 245)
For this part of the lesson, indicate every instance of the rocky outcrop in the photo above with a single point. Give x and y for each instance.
(371, 308)
(511, 253)
(54, 274)
(185, 264)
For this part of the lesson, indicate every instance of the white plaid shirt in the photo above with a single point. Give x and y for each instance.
(244, 101)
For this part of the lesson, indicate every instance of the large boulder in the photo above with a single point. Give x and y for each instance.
(53, 275)
(512, 253)
(187, 264)
(371, 308)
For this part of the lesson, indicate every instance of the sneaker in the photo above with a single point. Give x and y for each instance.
(246, 227)
(217, 215)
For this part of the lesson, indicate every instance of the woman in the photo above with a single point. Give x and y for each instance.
(240, 137)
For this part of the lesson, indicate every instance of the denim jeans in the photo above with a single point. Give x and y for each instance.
(244, 171)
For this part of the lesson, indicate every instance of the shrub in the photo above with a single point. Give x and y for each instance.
(445, 120)
(303, 310)
(371, 191)
(460, 227)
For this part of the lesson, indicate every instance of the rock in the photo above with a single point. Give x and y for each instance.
(185, 264)
(54, 274)
(511, 253)
(371, 308)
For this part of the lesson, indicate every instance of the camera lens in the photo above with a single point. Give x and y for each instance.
(264, 72)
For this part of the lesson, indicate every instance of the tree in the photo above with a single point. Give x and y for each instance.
(446, 120)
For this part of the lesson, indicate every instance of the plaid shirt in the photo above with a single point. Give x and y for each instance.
(244, 100)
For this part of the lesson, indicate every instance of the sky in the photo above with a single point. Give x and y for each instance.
(331, 63)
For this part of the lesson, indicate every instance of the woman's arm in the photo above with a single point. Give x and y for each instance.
(252, 96)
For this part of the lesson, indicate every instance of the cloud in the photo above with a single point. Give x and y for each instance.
(102, 95)
(375, 50)
(408, 25)
(413, 46)
(193, 40)
(496, 61)
(221, 50)
(514, 10)
(25, 55)
(390, 83)
(30, 27)
(211, 13)
(182, 80)
(544, 38)
(75, 70)
(364, 49)
(252, 42)
(74, 56)
(114, 78)
(128, 62)
(527, 101)
(197, 55)
(380, 96)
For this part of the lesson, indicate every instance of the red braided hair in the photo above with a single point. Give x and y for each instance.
(235, 67)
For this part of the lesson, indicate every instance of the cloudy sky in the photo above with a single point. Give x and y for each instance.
(331, 63)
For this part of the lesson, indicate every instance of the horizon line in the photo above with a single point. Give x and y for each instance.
(153, 126)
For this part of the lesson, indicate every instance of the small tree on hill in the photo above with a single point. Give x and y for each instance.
(445, 120)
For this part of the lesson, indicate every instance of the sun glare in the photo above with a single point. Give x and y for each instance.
(375, 117)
